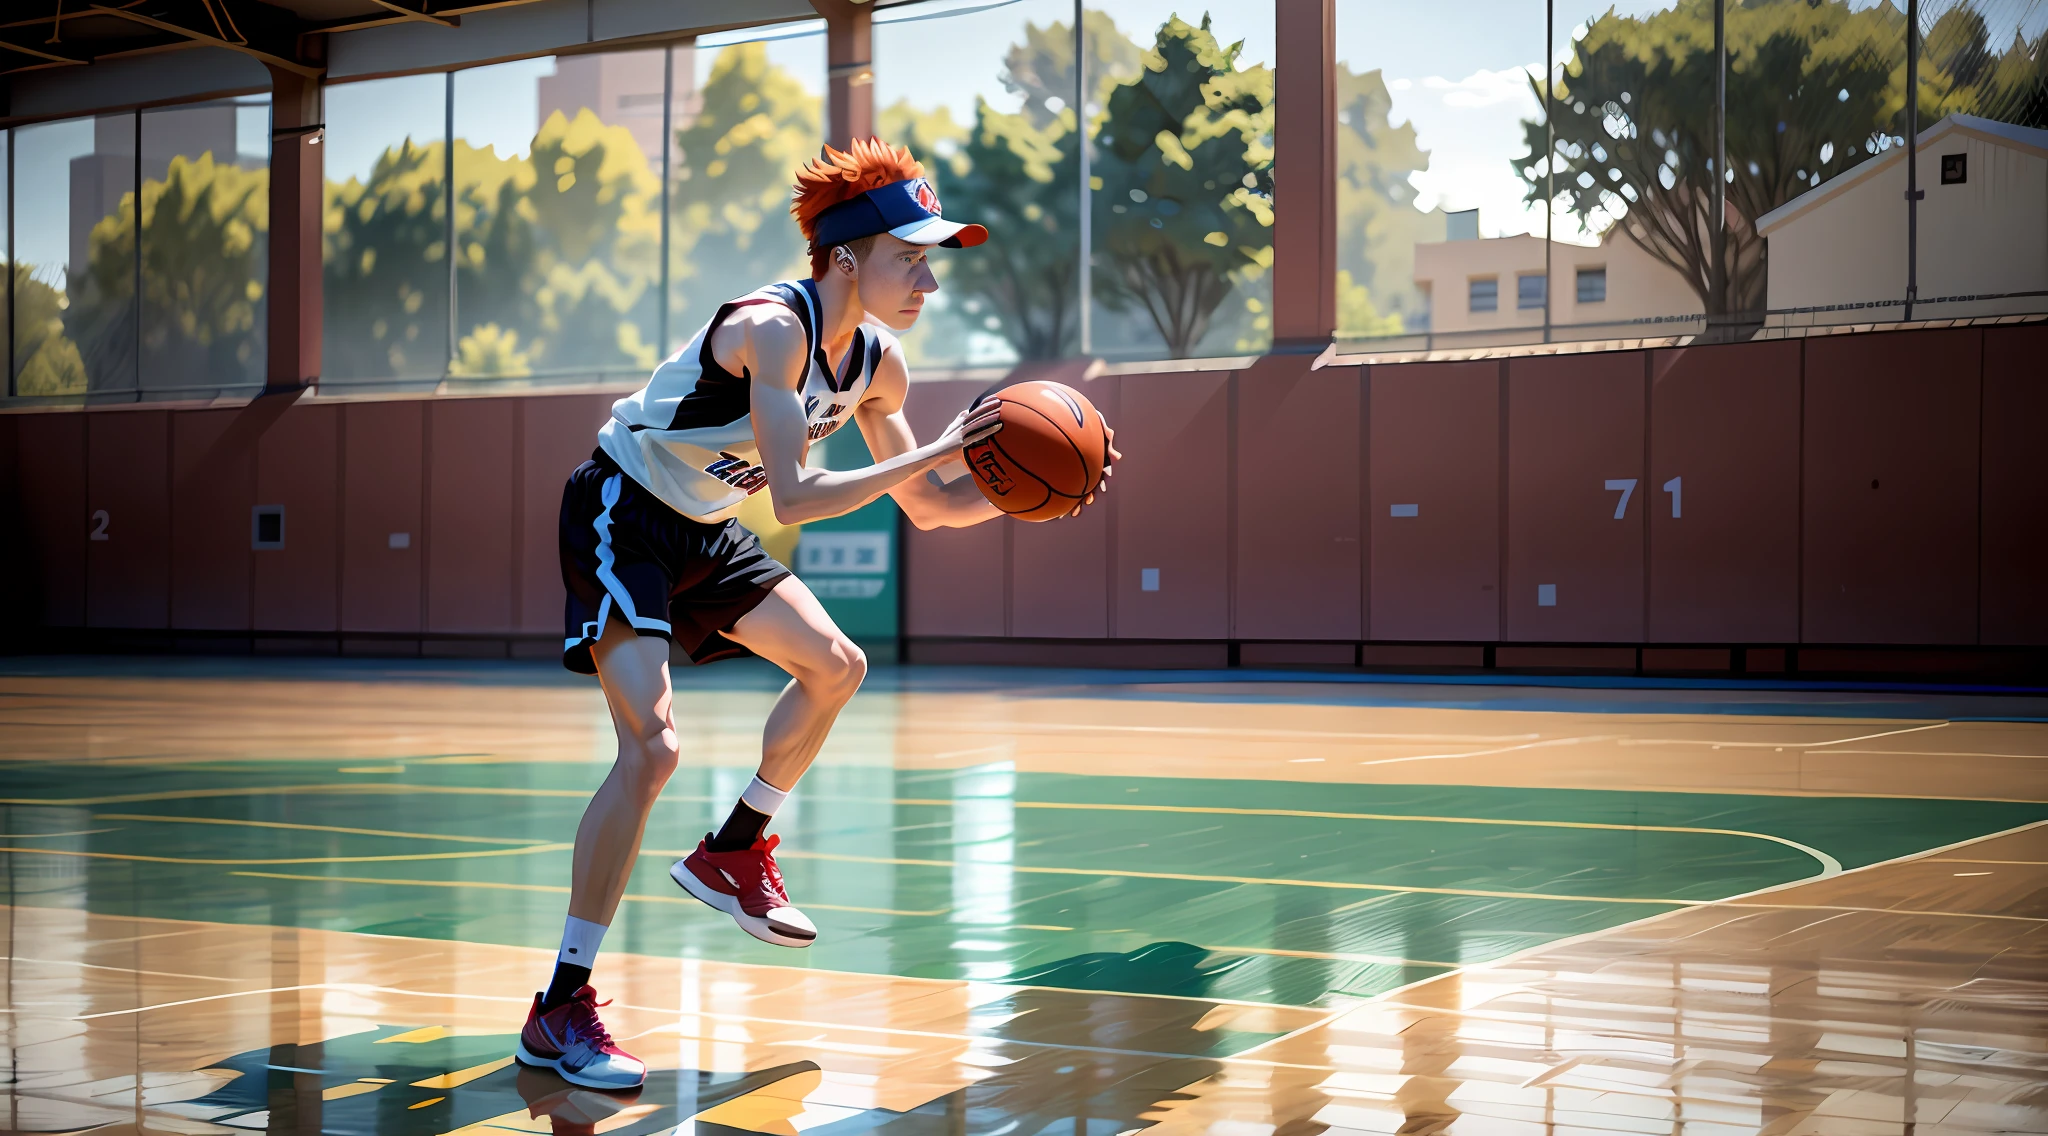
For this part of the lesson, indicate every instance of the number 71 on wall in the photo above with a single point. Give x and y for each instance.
(1626, 486)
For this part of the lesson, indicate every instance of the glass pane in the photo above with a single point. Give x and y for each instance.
(386, 248)
(755, 113)
(75, 275)
(558, 216)
(1434, 104)
(205, 237)
(984, 96)
(1182, 171)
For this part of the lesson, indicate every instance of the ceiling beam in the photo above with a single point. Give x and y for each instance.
(422, 14)
(276, 50)
(49, 58)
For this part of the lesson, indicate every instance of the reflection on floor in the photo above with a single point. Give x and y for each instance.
(315, 898)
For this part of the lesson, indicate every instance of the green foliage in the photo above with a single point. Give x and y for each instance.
(386, 268)
(1378, 224)
(1185, 162)
(1041, 69)
(1814, 88)
(205, 238)
(1022, 182)
(735, 162)
(47, 360)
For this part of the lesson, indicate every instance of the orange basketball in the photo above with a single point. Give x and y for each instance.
(1048, 455)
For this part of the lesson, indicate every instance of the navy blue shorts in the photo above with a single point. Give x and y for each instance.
(627, 556)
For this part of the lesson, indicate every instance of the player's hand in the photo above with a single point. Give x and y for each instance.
(1108, 467)
(977, 423)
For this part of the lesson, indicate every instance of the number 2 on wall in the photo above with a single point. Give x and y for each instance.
(99, 525)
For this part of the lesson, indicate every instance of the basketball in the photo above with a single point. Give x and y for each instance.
(1047, 457)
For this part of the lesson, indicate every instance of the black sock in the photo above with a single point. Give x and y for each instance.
(741, 829)
(569, 978)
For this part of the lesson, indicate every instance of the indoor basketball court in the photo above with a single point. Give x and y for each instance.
(1059, 900)
(1024, 567)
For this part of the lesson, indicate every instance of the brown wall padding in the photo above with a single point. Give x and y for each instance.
(1435, 444)
(1299, 564)
(956, 575)
(1059, 570)
(556, 435)
(471, 448)
(127, 574)
(51, 466)
(383, 469)
(1724, 423)
(1891, 465)
(298, 466)
(1172, 492)
(2015, 609)
(213, 483)
(1575, 422)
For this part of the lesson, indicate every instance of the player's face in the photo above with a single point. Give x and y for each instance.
(893, 281)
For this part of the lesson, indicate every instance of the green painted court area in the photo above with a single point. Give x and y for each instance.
(1287, 892)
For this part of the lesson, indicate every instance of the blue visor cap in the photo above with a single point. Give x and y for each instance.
(907, 210)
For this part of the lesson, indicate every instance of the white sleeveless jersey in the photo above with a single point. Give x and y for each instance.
(688, 435)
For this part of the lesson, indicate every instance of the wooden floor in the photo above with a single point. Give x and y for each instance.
(298, 897)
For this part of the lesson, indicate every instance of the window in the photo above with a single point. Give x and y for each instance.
(1530, 291)
(1592, 285)
(1485, 295)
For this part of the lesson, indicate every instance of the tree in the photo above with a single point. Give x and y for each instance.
(1813, 89)
(205, 235)
(1378, 224)
(386, 268)
(1022, 182)
(734, 163)
(1041, 68)
(1186, 168)
(48, 361)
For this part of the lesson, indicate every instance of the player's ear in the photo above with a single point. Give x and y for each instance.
(844, 260)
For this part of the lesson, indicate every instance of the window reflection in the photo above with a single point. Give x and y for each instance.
(984, 855)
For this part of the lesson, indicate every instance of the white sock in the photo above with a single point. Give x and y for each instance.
(762, 797)
(580, 939)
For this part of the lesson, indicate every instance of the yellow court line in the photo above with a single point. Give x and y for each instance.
(295, 860)
(1829, 865)
(1271, 882)
(1959, 860)
(312, 828)
(492, 885)
(1885, 911)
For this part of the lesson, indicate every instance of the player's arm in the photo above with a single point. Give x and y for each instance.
(888, 433)
(771, 347)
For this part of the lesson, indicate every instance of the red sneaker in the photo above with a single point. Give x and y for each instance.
(570, 1040)
(746, 885)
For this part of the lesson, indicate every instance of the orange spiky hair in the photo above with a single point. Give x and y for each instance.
(841, 175)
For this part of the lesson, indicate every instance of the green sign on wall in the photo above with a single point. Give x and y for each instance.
(850, 562)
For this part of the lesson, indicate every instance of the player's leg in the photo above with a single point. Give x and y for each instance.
(734, 869)
(563, 1032)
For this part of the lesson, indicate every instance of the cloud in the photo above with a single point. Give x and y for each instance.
(1485, 88)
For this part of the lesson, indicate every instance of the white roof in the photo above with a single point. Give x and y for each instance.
(2023, 138)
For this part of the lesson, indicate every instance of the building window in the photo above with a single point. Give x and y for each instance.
(1485, 295)
(1592, 285)
(1530, 291)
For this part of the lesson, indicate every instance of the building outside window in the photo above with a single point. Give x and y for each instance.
(1592, 285)
(1530, 291)
(1485, 294)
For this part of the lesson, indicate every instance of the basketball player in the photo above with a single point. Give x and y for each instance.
(652, 556)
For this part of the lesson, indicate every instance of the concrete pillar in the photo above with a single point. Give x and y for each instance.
(849, 51)
(1305, 176)
(297, 122)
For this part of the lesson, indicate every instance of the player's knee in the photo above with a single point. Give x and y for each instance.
(840, 669)
(649, 757)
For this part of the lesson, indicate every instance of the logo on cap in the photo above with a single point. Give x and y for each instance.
(927, 197)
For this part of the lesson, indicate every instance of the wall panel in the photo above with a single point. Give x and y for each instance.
(1724, 548)
(2015, 607)
(1299, 559)
(298, 462)
(1173, 503)
(213, 483)
(382, 514)
(1575, 569)
(1891, 466)
(1059, 570)
(954, 580)
(470, 482)
(557, 434)
(1435, 445)
(51, 467)
(127, 569)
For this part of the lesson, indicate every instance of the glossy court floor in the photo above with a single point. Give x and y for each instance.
(304, 897)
